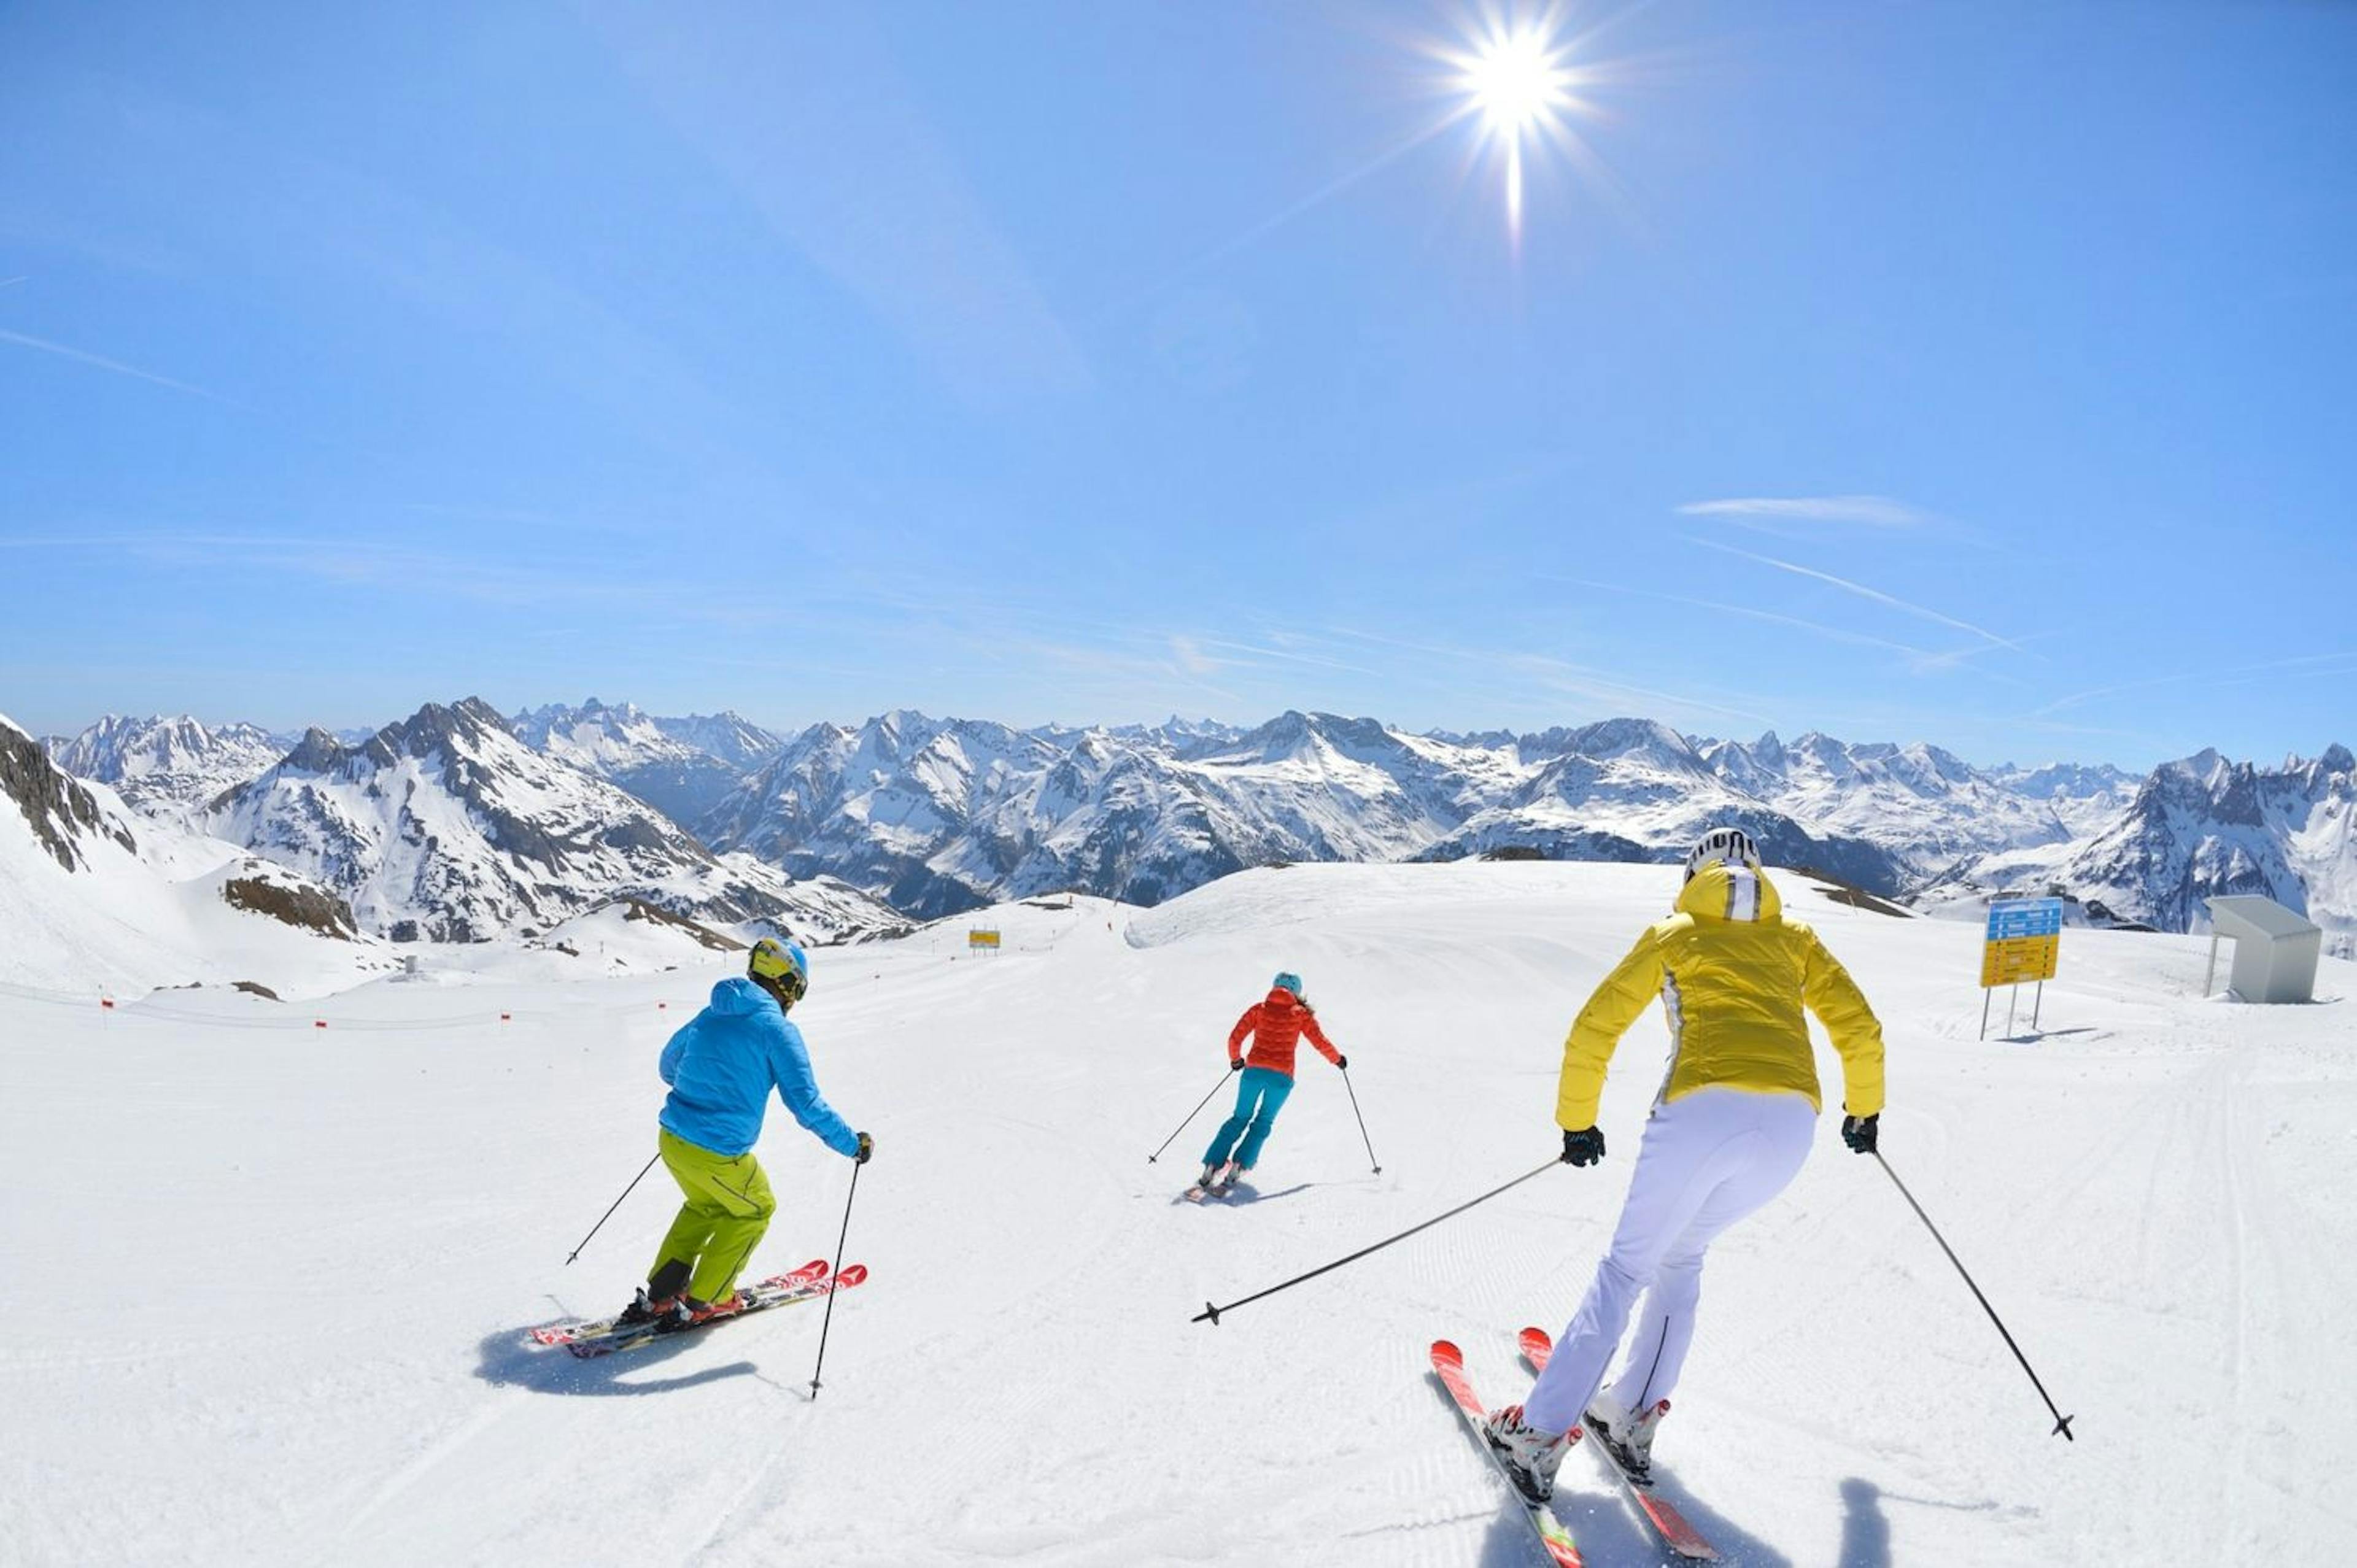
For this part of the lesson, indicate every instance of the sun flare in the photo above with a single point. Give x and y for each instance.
(1515, 76)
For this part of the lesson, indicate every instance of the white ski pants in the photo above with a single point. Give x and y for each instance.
(1708, 1159)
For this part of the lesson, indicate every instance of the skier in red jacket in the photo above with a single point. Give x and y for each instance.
(1275, 1025)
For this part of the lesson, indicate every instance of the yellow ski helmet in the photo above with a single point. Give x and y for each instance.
(780, 966)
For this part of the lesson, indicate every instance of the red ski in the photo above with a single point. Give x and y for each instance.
(753, 1299)
(1449, 1362)
(571, 1329)
(1676, 1532)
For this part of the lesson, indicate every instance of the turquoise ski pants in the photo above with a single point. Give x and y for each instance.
(1258, 1100)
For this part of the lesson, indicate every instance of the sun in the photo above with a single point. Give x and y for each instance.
(1516, 81)
(1516, 75)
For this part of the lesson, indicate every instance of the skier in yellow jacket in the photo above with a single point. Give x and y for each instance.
(1729, 1130)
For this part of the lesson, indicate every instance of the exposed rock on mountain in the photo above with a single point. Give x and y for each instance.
(63, 816)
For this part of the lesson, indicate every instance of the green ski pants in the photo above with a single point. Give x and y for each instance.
(726, 1212)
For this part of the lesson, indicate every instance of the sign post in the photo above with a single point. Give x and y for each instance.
(2024, 942)
(977, 940)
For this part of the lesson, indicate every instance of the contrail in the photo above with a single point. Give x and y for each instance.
(1863, 591)
(117, 366)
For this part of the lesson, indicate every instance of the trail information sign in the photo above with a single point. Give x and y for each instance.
(2024, 941)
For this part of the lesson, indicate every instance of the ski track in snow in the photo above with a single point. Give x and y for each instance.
(333, 1241)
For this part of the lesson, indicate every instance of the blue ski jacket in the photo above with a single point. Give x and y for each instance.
(723, 1064)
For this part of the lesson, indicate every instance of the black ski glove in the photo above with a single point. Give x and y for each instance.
(1584, 1147)
(1341, 1061)
(866, 1147)
(1235, 1063)
(1857, 1132)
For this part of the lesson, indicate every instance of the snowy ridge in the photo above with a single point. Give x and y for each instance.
(446, 827)
(682, 768)
(167, 768)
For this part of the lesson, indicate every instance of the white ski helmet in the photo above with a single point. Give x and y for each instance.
(1720, 845)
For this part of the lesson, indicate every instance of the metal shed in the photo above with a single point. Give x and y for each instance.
(2275, 949)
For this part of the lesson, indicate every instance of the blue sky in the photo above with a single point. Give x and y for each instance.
(1974, 372)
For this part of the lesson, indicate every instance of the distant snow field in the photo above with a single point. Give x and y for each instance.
(268, 1282)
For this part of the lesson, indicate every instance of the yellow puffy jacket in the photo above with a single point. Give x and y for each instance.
(1733, 976)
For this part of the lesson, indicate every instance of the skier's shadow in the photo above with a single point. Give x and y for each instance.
(1866, 1533)
(1590, 1504)
(509, 1359)
(1735, 1544)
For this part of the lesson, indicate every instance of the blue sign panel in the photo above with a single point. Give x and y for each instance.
(2018, 918)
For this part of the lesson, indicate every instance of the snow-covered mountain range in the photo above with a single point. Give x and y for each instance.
(682, 768)
(2206, 825)
(167, 768)
(934, 816)
(447, 827)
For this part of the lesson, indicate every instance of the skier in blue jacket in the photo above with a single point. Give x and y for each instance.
(721, 1067)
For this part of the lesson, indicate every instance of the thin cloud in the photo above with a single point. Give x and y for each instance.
(100, 361)
(1595, 685)
(1920, 660)
(1836, 633)
(1191, 657)
(1869, 511)
(1875, 596)
(2307, 663)
(816, 127)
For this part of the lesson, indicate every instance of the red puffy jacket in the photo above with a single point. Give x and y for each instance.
(1275, 1025)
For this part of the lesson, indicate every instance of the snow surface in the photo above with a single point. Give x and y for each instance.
(270, 1282)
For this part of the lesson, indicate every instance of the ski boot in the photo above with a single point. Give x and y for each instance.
(1530, 1457)
(689, 1313)
(1227, 1176)
(1628, 1438)
(644, 1308)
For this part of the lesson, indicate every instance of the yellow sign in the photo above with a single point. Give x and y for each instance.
(2019, 960)
(984, 941)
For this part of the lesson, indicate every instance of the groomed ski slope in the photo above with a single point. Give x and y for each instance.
(267, 1284)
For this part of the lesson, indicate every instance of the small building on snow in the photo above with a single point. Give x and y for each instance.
(2275, 949)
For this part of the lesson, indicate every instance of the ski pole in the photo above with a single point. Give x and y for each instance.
(1190, 1116)
(1211, 1314)
(2061, 1422)
(1363, 1122)
(609, 1212)
(828, 1322)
